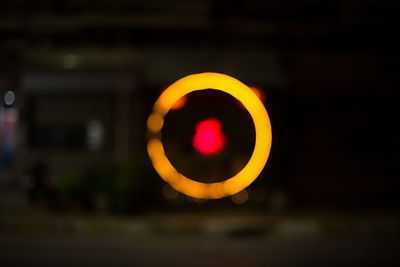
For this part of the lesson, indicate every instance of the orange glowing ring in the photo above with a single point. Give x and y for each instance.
(257, 112)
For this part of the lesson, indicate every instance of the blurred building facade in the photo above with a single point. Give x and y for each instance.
(85, 75)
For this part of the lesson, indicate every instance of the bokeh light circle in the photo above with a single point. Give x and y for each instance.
(257, 112)
(208, 138)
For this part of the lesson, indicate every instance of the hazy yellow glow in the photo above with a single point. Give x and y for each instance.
(249, 100)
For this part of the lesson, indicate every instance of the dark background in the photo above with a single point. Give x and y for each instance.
(329, 72)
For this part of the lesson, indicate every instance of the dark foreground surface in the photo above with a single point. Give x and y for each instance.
(116, 250)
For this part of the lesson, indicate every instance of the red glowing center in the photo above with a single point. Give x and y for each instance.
(208, 139)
